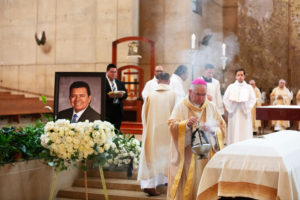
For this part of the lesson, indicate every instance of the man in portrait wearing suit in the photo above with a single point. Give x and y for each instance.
(114, 97)
(80, 98)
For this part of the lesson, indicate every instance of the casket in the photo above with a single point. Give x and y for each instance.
(261, 168)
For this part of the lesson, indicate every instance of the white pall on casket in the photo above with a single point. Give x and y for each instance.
(260, 168)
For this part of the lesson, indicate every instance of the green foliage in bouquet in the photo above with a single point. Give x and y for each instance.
(20, 141)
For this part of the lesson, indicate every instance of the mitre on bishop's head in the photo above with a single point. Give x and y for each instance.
(199, 81)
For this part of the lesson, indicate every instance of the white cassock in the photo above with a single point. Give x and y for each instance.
(239, 99)
(149, 87)
(214, 90)
(157, 108)
(176, 84)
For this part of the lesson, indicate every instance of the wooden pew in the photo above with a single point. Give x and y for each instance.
(10, 96)
(14, 108)
(5, 93)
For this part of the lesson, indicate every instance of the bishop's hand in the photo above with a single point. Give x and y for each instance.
(191, 121)
(209, 97)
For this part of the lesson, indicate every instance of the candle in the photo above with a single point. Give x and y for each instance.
(193, 41)
(223, 49)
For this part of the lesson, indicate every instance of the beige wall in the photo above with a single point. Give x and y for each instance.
(30, 180)
(80, 33)
(79, 38)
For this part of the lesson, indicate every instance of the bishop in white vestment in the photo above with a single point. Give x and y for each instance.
(185, 168)
(239, 99)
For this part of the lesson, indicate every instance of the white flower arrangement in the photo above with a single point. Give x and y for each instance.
(66, 142)
(127, 149)
(77, 141)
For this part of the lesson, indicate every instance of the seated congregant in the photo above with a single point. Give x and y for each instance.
(280, 96)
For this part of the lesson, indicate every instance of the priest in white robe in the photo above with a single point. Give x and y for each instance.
(152, 84)
(256, 124)
(280, 96)
(153, 167)
(213, 88)
(185, 169)
(239, 99)
(176, 82)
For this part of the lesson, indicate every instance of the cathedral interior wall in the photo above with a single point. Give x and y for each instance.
(79, 37)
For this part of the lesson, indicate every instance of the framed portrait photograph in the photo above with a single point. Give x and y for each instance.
(79, 96)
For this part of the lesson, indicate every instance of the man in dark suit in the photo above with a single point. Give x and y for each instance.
(114, 100)
(80, 98)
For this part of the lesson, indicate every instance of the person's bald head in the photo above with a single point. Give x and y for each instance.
(158, 69)
(281, 83)
(252, 83)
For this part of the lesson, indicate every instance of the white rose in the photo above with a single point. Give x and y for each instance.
(91, 143)
(137, 142)
(75, 146)
(100, 150)
(76, 141)
(57, 140)
(106, 147)
(131, 153)
(68, 139)
(86, 138)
